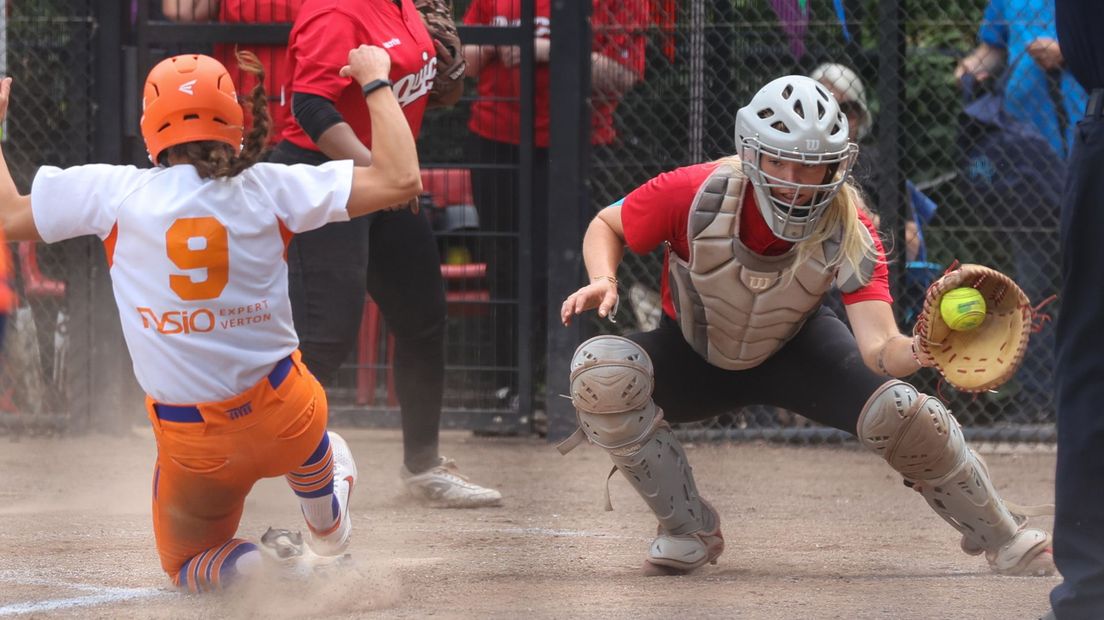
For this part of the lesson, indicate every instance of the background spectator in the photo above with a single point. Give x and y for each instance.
(617, 63)
(1010, 30)
(394, 252)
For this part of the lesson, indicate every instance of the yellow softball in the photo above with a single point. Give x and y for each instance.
(962, 308)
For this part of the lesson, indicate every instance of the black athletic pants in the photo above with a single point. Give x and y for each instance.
(393, 256)
(495, 192)
(1079, 378)
(819, 374)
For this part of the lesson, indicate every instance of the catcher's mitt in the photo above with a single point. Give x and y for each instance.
(449, 83)
(988, 355)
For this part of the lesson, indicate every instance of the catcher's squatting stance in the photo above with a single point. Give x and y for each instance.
(196, 248)
(753, 243)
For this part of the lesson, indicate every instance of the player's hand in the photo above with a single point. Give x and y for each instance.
(1046, 52)
(601, 294)
(367, 63)
(508, 55)
(980, 63)
(5, 92)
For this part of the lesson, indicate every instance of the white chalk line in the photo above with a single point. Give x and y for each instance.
(539, 531)
(99, 594)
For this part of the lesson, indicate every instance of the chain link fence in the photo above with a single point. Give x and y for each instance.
(983, 161)
(982, 154)
(47, 49)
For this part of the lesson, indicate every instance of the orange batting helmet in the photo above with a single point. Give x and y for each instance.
(189, 98)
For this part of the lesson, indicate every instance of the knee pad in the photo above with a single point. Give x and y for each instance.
(913, 432)
(920, 438)
(611, 388)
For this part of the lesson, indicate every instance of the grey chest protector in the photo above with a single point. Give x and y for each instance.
(735, 307)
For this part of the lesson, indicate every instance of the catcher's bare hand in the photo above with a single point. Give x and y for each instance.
(601, 294)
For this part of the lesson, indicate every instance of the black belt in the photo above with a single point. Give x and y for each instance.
(1095, 109)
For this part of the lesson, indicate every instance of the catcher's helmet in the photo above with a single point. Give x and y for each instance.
(189, 98)
(794, 118)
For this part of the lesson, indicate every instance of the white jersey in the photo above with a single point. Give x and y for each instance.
(199, 267)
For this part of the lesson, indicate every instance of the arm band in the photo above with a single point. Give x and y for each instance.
(314, 114)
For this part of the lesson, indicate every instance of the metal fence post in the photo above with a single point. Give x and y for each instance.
(891, 93)
(568, 163)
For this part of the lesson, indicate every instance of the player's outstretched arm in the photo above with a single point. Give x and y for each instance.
(394, 176)
(15, 209)
(603, 249)
(885, 350)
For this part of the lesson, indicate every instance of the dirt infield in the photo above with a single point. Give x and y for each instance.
(811, 533)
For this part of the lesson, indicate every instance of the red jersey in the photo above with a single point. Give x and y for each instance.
(496, 115)
(618, 33)
(659, 211)
(319, 46)
(273, 57)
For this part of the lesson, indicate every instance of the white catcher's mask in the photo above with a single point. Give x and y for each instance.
(794, 118)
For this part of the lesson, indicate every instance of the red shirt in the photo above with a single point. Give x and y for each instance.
(659, 211)
(496, 115)
(273, 57)
(319, 46)
(618, 29)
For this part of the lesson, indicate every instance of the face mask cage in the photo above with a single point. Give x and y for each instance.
(787, 218)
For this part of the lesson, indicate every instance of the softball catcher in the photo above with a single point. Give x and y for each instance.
(753, 242)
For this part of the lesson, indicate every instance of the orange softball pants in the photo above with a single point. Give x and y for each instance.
(210, 455)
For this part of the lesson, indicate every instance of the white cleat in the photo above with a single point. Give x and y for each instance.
(285, 550)
(672, 554)
(1028, 554)
(443, 486)
(345, 476)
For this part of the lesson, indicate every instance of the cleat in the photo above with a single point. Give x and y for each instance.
(1028, 554)
(345, 477)
(681, 554)
(285, 551)
(443, 486)
(281, 545)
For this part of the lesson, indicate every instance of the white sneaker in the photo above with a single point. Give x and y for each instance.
(443, 486)
(679, 554)
(1028, 554)
(345, 476)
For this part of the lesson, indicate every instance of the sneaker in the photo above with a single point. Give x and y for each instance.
(345, 476)
(443, 486)
(1028, 554)
(679, 554)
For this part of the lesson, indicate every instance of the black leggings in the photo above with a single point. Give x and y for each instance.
(495, 192)
(393, 256)
(819, 374)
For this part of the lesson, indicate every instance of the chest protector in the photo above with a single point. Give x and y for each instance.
(735, 307)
